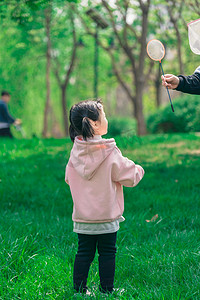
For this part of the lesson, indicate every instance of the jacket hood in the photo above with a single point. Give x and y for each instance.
(87, 156)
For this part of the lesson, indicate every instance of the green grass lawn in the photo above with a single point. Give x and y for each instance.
(155, 260)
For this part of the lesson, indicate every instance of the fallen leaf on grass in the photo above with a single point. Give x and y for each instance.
(153, 218)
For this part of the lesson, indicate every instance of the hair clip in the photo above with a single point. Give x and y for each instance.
(99, 105)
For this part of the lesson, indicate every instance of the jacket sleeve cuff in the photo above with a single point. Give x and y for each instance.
(181, 83)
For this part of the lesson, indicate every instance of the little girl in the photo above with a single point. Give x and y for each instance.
(96, 172)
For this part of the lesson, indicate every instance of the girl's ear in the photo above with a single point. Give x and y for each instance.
(93, 123)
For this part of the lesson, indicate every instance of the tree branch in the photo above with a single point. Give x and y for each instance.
(56, 71)
(124, 45)
(105, 4)
(117, 74)
(87, 29)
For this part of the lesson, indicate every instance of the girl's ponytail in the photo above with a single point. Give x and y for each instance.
(72, 133)
(87, 130)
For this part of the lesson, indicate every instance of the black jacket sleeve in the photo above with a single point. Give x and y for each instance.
(190, 84)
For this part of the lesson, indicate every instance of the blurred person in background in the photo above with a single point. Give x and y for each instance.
(5, 118)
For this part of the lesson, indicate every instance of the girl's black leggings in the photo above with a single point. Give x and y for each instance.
(106, 245)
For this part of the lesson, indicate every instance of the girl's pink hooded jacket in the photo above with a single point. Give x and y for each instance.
(96, 172)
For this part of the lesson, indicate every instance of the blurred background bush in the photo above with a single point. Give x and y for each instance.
(186, 116)
(121, 126)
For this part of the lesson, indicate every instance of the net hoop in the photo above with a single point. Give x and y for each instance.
(161, 46)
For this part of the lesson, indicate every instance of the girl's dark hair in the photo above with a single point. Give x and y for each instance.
(78, 116)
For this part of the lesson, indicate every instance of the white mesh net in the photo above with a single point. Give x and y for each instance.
(194, 36)
(155, 50)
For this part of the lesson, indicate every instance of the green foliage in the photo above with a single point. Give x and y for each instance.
(120, 126)
(23, 61)
(186, 116)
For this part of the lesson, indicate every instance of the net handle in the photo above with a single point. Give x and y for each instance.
(167, 87)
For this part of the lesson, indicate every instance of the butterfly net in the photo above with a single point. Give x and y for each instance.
(194, 36)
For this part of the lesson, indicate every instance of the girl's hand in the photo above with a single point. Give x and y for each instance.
(18, 122)
(169, 80)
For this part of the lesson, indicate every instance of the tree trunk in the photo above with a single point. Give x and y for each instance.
(139, 74)
(64, 110)
(64, 84)
(48, 66)
(138, 109)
